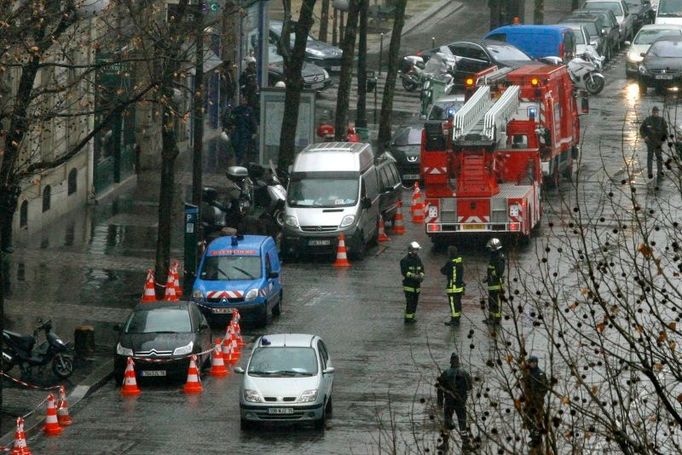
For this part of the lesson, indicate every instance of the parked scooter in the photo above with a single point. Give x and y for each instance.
(411, 69)
(22, 350)
(585, 74)
(269, 193)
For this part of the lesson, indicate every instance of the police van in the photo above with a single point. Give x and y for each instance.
(241, 272)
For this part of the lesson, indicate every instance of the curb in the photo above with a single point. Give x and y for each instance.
(89, 385)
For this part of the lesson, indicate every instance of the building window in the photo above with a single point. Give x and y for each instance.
(73, 181)
(47, 195)
(23, 214)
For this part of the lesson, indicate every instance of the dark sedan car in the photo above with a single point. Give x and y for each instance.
(643, 11)
(405, 148)
(317, 52)
(475, 56)
(314, 77)
(160, 337)
(607, 38)
(662, 64)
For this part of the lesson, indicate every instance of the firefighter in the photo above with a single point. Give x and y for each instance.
(654, 130)
(454, 272)
(534, 386)
(412, 270)
(453, 386)
(494, 279)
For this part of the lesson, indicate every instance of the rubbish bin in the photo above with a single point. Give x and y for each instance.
(432, 89)
(363, 132)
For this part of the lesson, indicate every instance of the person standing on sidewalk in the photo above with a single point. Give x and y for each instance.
(412, 269)
(534, 386)
(454, 272)
(494, 278)
(453, 386)
(243, 128)
(654, 130)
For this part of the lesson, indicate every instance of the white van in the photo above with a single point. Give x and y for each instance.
(333, 189)
(669, 12)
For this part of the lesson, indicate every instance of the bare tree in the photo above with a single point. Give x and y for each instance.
(348, 48)
(361, 114)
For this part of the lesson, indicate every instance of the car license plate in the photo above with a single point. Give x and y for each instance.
(280, 410)
(664, 76)
(220, 310)
(323, 242)
(317, 86)
(155, 373)
(410, 176)
(473, 227)
(336, 68)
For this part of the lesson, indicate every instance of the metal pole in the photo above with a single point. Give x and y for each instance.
(433, 41)
(381, 51)
(197, 107)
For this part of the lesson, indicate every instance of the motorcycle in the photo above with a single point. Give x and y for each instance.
(585, 74)
(22, 350)
(269, 192)
(440, 66)
(411, 69)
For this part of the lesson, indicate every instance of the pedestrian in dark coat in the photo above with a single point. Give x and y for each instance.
(453, 387)
(248, 83)
(534, 386)
(243, 127)
(494, 279)
(454, 272)
(412, 269)
(654, 130)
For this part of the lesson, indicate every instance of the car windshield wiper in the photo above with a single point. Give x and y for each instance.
(222, 272)
(292, 373)
(244, 272)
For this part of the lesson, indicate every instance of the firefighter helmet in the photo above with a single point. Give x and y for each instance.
(494, 244)
(413, 246)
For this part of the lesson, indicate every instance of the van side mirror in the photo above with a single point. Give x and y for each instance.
(603, 32)
(627, 43)
(366, 203)
(238, 370)
(642, 54)
(328, 370)
(273, 275)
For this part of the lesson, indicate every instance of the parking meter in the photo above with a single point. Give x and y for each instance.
(191, 246)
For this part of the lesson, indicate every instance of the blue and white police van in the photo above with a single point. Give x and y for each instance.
(239, 272)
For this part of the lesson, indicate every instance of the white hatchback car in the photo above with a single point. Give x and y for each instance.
(288, 378)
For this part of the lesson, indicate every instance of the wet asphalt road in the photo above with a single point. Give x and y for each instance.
(384, 368)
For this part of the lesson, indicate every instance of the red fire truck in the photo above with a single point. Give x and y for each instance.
(483, 169)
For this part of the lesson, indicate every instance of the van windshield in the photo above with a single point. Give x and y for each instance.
(670, 8)
(323, 189)
(221, 268)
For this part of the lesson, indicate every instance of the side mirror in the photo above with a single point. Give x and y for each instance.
(204, 325)
(604, 32)
(117, 327)
(642, 54)
(238, 370)
(627, 43)
(273, 275)
(328, 370)
(366, 203)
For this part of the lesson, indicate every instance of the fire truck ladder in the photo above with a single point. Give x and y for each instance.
(483, 117)
(472, 113)
(498, 116)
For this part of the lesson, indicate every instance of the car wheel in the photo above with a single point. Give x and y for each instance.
(361, 247)
(642, 88)
(246, 425)
(62, 366)
(322, 421)
(277, 309)
(329, 409)
(118, 378)
(264, 317)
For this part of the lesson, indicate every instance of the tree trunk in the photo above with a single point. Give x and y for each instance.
(539, 12)
(391, 74)
(361, 114)
(293, 64)
(335, 19)
(348, 48)
(324, 21)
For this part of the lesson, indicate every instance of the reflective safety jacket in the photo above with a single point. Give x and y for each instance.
(454, 272)
(413, 273)
(495, 272)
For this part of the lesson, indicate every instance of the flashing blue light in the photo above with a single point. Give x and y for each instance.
(451, 112)
(532, 113)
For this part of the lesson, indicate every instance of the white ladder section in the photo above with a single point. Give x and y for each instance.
(498, 116)
(472, 112)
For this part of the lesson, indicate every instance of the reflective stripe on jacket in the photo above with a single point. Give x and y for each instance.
(454, 271)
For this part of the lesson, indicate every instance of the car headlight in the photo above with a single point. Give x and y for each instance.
(126, 352)
(252, 396)
(308, 396)
(326, 74)
(184, 350)
(315, 53)
(291, 220)
(634, 57)
(197, 294)
(642, 69)
(347, 220)
(252, 294)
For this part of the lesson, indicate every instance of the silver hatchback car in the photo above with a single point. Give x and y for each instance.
(288, 378)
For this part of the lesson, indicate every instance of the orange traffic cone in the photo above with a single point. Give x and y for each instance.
(228, 353)
(170, 288)
(63, 416)
(416, 197)
(418, 214)
(218, 368)
(176, 279)
(382, 231)
(399, 221)
(20, 446)
(238, 334)
(129, 387)
(193, 384)
(149, 294)
(341, 256)
(52, 427)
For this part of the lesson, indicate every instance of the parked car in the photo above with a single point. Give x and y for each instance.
(314, 77)
(582, 40)
(317, 52)
(641, 43)
(610, 21)
(405, 148)
(475, 56)
(288, 378)
(160, 337)
(538, 41)
(669, 12)
(643, 11)
(605, 39)
(620, 9)
(390, 186)
(661, 66)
